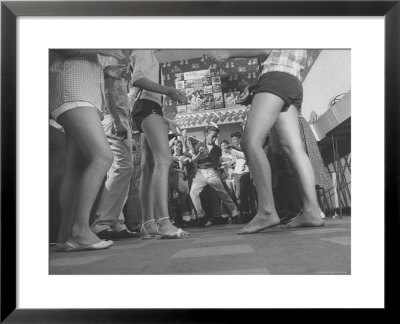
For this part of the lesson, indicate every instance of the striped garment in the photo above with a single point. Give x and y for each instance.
(288, 61)
(77, 78)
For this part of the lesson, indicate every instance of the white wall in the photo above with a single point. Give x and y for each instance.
(329, 76)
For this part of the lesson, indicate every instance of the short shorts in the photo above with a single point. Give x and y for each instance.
(283, 85)
(57, 112)
(142, 109)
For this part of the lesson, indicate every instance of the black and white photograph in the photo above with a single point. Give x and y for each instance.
(252, 170)
(264, 191)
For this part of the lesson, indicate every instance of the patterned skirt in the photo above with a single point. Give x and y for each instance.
(322, 178)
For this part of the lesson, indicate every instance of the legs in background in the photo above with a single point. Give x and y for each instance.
(116, 186)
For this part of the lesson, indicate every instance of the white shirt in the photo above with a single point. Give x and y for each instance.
(241, 165)
(146, 65)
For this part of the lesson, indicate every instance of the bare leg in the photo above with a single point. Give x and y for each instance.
(145, 188)
(156, 135)
(84, 128)
(265, 110)
(287, 128)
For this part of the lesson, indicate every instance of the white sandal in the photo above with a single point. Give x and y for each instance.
(179, 234)
(145, 234)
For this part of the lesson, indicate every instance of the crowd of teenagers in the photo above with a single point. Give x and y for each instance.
(154, 180)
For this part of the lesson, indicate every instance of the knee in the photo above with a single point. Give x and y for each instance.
(248, 146)
(163, 161)
(291, 150)
(103, 159)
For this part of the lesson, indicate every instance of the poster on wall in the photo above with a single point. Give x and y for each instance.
(213, 88)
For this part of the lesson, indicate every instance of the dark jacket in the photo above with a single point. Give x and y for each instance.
(211, 160)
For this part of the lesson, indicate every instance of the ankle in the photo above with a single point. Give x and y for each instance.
(311, 210)
(149, 224)
(164, 221)
(267, 212)
(79, 231)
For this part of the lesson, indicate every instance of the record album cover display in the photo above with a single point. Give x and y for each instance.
(213, 88)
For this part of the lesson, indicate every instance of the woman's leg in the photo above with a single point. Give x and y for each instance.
(287, 128)
(145, 187)
(156, 135)
(264, 111)
(85, 129)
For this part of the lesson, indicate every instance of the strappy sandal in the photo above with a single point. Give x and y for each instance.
(179, 234)
(145, 234)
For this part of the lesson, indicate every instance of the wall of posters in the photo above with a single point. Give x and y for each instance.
(213, 88)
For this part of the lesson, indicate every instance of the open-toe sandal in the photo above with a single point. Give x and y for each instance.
(145, 234)
(179, 234)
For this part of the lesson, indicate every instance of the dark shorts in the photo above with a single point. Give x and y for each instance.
(283, 85)
(142, 109)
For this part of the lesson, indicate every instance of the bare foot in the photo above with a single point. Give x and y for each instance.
(306, 219)
(260, 223)
(167, 229)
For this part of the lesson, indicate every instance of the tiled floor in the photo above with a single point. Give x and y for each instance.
(219, 250)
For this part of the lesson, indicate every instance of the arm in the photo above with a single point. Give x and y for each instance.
(118, 128)
(143, 64)
(201, 153)
(172, 125)
(237, 153)
(149, 85)
(171, 142)
(196, 157)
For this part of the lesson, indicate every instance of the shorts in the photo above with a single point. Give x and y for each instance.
(57, 112)
(142, 109)
(284, 85)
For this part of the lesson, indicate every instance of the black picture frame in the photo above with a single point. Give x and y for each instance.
(9, 13)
